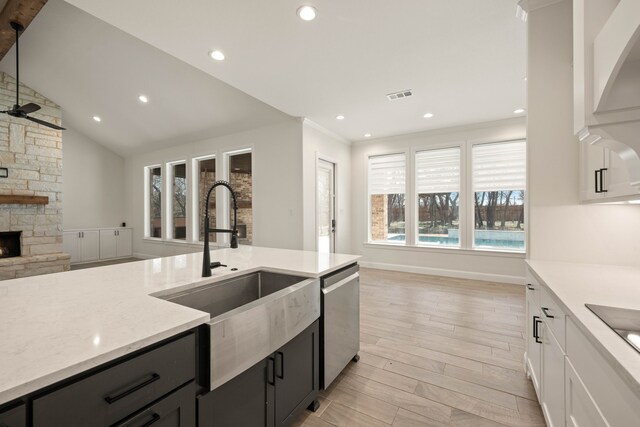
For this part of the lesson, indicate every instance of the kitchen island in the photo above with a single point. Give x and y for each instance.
(58, 326)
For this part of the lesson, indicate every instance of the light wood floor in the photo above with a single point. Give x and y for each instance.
(434, 352)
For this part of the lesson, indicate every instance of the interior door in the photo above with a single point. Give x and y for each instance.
(326, 214)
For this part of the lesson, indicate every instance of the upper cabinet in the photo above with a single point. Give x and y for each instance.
(606, 71)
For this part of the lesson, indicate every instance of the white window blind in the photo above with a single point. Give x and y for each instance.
(387, 174)
(499, 167)
(438, 171)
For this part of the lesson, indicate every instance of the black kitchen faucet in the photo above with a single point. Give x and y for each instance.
(206, 261)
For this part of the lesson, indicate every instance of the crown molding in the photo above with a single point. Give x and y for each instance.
(531, 5)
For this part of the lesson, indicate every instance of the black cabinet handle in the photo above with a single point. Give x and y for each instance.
(536, 332)
(597, 172)
(530, 287)
(111, 398)
(544, 310)
(602, 180)
(281, 376)
(154, 418)
(271, 379)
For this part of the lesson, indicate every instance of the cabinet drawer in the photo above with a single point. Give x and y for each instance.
(176, 410)
(112, 394)
(553, 316)
(581, 410)
(533, 289)
(14, 417)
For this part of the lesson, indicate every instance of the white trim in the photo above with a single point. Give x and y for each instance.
(326, 131)
(334, 166)
(445, 249)
(143, 256)
(531, 5)
(460, 274)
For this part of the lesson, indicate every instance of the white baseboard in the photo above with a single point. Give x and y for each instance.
(144, 256)
(459, 274)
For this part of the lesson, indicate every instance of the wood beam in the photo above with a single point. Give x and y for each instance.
(22, 11)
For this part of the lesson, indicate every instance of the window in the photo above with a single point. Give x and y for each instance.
(499, 182)
(178, 204)
(241, 180)
(463, 195)
(438, 188)
(154, 198)
(387, 198)
(205, 168)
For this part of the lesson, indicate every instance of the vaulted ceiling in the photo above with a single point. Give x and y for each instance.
(464, 60)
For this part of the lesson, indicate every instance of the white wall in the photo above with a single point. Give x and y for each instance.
(448, 262)
(560, 228)
(277, 185)
(93, 183)
(320, 144)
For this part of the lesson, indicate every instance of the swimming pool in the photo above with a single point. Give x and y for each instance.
(454, 241)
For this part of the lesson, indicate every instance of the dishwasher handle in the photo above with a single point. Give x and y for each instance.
(341, 283)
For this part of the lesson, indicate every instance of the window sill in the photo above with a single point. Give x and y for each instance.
(458, 251)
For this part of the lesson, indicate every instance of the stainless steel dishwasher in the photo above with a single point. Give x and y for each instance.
(340, 326)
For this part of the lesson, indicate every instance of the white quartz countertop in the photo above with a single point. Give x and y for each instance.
(578, 284)
(58, 325)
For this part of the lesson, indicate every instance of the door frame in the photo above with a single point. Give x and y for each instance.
(334, 162)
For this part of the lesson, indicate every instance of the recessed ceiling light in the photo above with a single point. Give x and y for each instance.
(217, 55)
(340, 117)
(428, 115)
(519, 111)
(524, 78)
(143, 99)
(97, 119)
(307, 13)
(367, 135)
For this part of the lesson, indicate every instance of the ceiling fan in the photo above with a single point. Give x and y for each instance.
(18, 111)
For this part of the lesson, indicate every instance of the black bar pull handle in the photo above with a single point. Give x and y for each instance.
(603, 181)
(597, 172)
(271, 379)
(536, 322)
(281, 376)
(154, 418)
(143, 383)
(545, 311)
(530, 287)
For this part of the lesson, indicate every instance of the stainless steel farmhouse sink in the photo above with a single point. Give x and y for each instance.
(252, 316)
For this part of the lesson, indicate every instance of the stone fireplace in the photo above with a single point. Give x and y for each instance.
(31, 194)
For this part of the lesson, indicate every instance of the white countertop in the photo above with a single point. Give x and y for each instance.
(578, 284)
(58, 325)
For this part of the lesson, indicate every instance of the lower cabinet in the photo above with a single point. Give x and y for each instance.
(146, 382)
(552, 380)
(271, 393)
(533, 343)
(14, 417)
(175, 410)
(83, 246)
(581, 409)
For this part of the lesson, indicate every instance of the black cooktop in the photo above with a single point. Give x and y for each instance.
(625, 322)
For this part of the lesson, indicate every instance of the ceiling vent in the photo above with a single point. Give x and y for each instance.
(399, 95)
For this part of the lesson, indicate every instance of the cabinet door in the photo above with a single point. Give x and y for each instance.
(616, 177)
(14, 417)
(176, 410)
(552, 380)
(297, 374)
(582, 411)
(533, 346)
(246, 400)
(71, 245)
(90, 245)
(108, 244)
(591, 160)
(124, 244)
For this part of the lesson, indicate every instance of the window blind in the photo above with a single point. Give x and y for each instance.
(438, 171)
(387, 174)
(499, 167)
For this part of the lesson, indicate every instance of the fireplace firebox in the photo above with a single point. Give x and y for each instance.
(10, 244)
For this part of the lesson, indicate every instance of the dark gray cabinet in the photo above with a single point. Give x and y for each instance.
(273, 392)
(14, 417)
(175, 410)
(112, 394)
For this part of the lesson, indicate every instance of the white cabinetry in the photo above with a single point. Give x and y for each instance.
(576, 385)
(604, 175)
(115, 243)
(83, 246)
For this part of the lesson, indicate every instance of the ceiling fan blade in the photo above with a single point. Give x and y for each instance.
(43, 123)
(29, 108)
